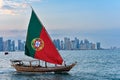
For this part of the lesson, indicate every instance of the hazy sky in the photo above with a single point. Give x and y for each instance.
(96, 20)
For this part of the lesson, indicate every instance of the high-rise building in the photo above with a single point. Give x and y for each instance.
(73, 45)
(98, 46)
(81, 44)
(57, 43)
(77, 45)
(1, 43)
(7, 45)
(67, 43)
(86, 42)
(13, 46)
(62, 45)
(21, 45)
(93, 47)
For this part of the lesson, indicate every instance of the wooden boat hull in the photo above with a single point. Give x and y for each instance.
(57, 69)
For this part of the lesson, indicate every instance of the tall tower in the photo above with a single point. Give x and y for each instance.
(67, 45)
(98, 46)
(62, 45)
(19, 45)
(1, 43)
(13, 45)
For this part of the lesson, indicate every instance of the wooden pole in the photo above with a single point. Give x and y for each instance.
(46, 64)
(39, 63)
(30, 64)
(64, 64)
(55, 65)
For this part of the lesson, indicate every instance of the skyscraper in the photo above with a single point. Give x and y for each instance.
(67, 44)
(57, 43)
(13, 46)
(77, 45)
(21, 45)
(98, 46)
(1, 43)
(7, 45)
(62, 45)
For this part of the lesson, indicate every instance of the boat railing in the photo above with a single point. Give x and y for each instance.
(25, 62)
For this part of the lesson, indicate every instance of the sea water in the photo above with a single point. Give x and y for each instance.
(91, 65)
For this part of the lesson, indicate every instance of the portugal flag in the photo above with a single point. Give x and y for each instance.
(39, 44)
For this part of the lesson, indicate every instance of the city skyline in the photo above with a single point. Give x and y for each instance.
(66, 44)
(57, 34)
(61, 44)
(94, 20)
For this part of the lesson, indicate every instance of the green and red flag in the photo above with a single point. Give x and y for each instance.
(39, 44)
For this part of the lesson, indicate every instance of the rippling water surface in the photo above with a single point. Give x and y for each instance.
(91, 65)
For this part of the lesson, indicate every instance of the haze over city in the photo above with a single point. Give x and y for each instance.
(96, 20)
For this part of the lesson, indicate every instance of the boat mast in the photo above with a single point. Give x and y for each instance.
(39, 62)
(46, 64)
(64, 63)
